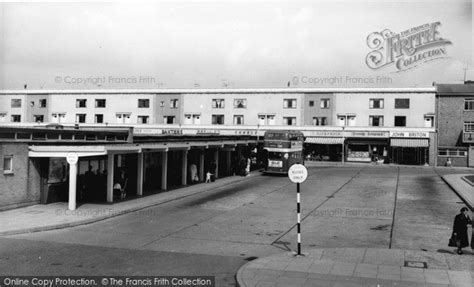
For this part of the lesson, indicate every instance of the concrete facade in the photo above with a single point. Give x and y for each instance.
(421, 106)
(315, 109)
(255, 108)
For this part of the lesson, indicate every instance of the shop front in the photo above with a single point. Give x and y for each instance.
(411, 148)
(324, 148)
(366, 146)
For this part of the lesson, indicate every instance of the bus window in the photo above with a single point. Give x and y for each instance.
(273, 154)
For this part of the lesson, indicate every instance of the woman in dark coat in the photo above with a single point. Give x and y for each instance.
(460, 229)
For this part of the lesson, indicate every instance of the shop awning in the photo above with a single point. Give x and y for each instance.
(409, 142)
(324, 140)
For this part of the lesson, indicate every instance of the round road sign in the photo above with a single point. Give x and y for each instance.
(297, 173)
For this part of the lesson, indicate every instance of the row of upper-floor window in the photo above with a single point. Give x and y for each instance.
(99, 103)
(263, 119)
(325, 103)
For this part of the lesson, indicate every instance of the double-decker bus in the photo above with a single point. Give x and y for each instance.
(284, 148)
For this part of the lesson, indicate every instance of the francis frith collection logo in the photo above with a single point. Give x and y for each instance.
(407, 49)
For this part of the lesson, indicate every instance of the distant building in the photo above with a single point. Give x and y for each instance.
(455, 124)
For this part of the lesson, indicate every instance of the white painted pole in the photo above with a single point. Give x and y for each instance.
(72, 185)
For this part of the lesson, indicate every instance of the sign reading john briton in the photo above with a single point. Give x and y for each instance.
(407, 49)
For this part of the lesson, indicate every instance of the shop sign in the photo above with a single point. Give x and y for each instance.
(148, 131)
(409, 135)
(207, 132)
(367, 134)
(323, 133)
(172, 132)
(239, 132)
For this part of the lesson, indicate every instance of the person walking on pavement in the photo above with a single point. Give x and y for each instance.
(460, 229)
(208, 177)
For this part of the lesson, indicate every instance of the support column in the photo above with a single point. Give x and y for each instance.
(216, 161)
(164, 171)
(140, 174)
(110, 177)
(201, 166)
(228, 161)
(184, 172)
(72, 185)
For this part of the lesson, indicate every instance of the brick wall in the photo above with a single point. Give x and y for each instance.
(22, 186)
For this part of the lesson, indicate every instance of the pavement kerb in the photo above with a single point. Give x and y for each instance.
(250, 273)
(201, 188)
(452, 180)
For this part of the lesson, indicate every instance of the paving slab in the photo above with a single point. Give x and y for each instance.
(379, 268)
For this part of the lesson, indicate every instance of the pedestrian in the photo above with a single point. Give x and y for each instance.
(460, 230)
(208, 177)
(448, 162)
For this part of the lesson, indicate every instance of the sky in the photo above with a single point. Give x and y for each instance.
(225, 44)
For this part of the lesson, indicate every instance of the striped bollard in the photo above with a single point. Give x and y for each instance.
(297, 174)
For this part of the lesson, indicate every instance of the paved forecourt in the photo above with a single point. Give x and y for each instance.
(359, 267)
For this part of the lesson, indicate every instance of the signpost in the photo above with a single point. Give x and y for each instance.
(298, 174)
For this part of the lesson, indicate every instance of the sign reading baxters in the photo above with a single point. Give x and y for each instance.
(297, 173)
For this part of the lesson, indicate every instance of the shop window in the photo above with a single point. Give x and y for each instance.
(8, 164)
(174, 103)
(238, 120)
(376, 103)
(38, 118)
(217, 119)
(289, 121)
(42, 103)
(16, 118)
(143, 103)
(142, 119)
(400, 121)
(100, 103)
(289, 103)
(16, 103)
(218, 103)
(240, 103)
(325, 103)
(99, 118)
(452, 152)
(376, 121)
(80, 118)
(81, 103)
(402, 103)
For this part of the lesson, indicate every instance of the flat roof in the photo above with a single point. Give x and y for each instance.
(455, 89)
(224, 91)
